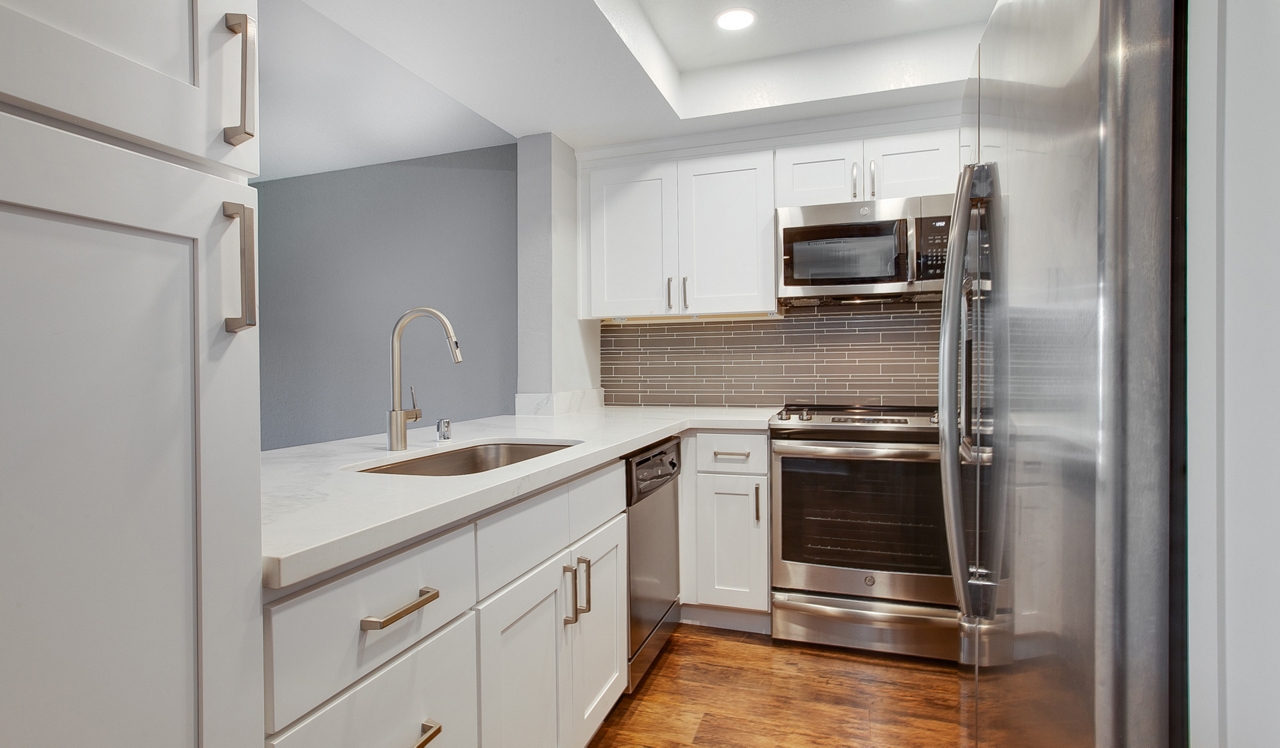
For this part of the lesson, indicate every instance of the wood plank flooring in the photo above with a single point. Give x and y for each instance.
(712, 687)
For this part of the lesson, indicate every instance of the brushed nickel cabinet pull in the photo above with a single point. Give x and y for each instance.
(855, 180)
(430, 731)
(247, 27)
(744, 455)
(425, 595)
(669, 304)
(757, 503)
(872, 169)
(586, 608)
(248, 269)
(684, 287)
(573, 605)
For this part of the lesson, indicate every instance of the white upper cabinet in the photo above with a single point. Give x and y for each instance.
(130, 527)
(726, 234)
(634, 237)
(820, 174)
(926, 163)
(165, 73)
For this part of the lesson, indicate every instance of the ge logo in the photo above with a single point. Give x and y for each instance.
(871, 581)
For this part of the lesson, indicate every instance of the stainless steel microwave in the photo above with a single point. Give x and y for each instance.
(880, 248)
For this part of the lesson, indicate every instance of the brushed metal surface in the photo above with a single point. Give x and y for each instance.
(468, 460)
(877, 625)
(639, 663)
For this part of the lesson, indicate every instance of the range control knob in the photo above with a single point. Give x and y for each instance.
(805, 415)
(784, 416)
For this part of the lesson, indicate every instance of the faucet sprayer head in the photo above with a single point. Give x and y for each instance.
(455, 350)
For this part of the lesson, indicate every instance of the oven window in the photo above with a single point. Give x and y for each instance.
(844, 254)
(864, 514)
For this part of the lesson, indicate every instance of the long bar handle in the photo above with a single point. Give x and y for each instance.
(855, 180)
(425, 595)
(864, 451)
(430, 731)
(684, 289)
(948, 381)
(744, 455)
(581, 561)
(757, 503)
(247, 27)
(248, 268)
(573, 606)
(669, 303)
(872, 168)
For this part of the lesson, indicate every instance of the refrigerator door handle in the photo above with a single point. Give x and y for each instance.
(948, 381)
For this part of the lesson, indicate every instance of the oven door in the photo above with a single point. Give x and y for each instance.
(860, 519)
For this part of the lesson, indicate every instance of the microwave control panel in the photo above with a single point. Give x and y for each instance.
(931, 242)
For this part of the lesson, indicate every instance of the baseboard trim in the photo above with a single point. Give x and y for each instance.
(751, 621)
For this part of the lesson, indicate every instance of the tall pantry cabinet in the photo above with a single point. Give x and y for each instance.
(129, 452)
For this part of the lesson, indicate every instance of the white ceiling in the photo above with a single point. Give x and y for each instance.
(352, 82)
(688, 30)
(329, 101)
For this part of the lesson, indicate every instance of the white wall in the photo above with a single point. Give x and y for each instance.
(1233, 365)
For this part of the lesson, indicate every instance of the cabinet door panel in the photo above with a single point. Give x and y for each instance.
(130, 523)
(819, 174)
(598, 641)
(633, 240)
(733, 558)
(165, 73)
(913, 165)
(726, 235)
(524, 675)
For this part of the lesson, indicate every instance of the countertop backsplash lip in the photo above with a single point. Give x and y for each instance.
(880, 354)
(318, 516)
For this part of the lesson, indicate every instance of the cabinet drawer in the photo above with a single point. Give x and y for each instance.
(315, 646)
(596, 499)
(733, 453)
(435, 680)
(520, 537)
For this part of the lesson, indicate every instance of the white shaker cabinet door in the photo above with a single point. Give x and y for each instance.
(130, 528)
(733, 541)
(819, 174)
(726, 235)
(598, 641)
(914, 165)
(164, 73)
(633, 241)
(524, 659)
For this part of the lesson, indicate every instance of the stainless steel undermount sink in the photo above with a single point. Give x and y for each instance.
(468, 460)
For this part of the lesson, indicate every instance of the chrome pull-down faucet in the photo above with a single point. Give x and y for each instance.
(398, 419)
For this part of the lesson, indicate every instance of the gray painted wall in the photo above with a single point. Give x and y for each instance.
(343, 254)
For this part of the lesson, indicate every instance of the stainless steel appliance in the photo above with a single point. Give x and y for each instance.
(860, 552)
(831, 254)
(653, 551)
(1054, 383)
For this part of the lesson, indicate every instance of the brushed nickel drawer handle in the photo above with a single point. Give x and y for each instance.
(574, 610)
(430, 731)
(757, 503)
(248, 269)
(744, 455)
(669, 304)
(855, 180)
(583, 560)
(425, 595)
(247, 27)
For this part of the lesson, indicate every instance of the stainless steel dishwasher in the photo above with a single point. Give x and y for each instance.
(653, 544)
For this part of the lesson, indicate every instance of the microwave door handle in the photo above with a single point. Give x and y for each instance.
(948, 382)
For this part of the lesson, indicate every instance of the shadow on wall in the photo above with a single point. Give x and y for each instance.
(344, 254)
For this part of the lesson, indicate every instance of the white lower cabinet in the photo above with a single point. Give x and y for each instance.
(523, 658)
(733, 541)
(598, 641)
(433, 684)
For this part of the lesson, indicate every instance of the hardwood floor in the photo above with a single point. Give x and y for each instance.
(712, 687)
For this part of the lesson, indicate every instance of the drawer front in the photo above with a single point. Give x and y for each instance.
(596, 499)
(733, 453)
(315, 645)
(520, 537)
(436, 680)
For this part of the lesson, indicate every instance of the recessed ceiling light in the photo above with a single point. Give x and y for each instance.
(736, 19)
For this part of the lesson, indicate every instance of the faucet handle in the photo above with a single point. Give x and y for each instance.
(413, 414)
(444, 430)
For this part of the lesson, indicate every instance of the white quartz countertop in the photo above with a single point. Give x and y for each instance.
(319, 514)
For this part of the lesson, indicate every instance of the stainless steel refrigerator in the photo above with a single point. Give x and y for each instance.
(1054, 362)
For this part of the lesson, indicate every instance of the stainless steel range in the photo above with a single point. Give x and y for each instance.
(860, 553)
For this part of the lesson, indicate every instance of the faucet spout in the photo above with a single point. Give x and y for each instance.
(398, 419)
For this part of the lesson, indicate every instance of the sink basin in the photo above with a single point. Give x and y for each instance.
(468, 460)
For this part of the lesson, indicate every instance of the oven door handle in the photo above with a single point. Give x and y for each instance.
(857, 451)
